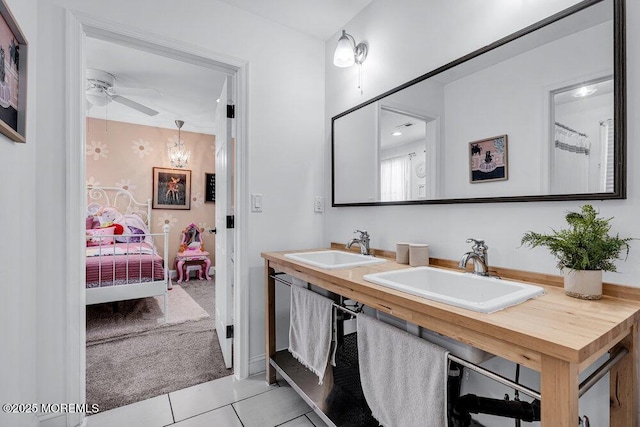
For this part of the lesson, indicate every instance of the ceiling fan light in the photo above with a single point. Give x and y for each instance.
(96, 96)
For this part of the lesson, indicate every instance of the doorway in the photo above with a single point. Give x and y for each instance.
(79, 30)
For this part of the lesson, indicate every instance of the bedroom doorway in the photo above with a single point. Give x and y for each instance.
(94, 148)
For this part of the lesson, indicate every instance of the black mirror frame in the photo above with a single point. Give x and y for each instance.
(619, 114)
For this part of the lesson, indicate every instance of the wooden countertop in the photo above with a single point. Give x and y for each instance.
(569, 329)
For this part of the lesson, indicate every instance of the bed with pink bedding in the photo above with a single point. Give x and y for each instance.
(123, 264)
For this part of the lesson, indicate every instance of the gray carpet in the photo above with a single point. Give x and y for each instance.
(134, 367)
(121, 318)
(202, 291)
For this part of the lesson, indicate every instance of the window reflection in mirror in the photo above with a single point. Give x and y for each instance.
(520, 88)
(583, 145)
(403, 155)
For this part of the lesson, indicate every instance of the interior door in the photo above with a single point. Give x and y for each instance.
(224, 227)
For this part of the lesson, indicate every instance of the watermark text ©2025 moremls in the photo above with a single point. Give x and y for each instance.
(50, 408)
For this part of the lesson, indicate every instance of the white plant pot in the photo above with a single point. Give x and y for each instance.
(583, 284)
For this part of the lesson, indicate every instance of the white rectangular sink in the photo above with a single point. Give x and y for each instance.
(465, 290)
(330, 260)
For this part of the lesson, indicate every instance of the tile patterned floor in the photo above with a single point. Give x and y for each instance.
(225, 402)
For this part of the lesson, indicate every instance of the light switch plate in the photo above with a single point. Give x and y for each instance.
(318, 204)
(256, 202)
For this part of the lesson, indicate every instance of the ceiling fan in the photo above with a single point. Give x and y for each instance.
(101, 91)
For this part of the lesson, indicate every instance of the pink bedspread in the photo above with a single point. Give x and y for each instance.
(131, 263)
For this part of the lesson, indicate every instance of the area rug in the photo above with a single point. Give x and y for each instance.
(128, 368)
(202, 291)
(110, 320)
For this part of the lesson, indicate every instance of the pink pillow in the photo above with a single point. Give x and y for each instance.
(100, 236)
(92, 222)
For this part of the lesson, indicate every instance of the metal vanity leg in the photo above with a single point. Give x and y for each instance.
(338, 317)
(270, 320)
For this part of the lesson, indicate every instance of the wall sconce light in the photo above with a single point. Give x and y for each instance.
(348, 52)
(178, 153)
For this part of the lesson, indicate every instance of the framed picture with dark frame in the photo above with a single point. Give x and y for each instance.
(171, 188)
(210, 187)
(13, 77)
(488, 160)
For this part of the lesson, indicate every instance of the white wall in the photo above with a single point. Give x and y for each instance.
(17, 244)
(410, 38)
(285, 129)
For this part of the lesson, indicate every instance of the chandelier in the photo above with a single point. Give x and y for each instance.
(178, 154)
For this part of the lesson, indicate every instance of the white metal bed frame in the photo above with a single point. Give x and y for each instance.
(124, 201)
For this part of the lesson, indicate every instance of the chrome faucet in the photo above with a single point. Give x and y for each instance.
(479, 257)
(363, 242)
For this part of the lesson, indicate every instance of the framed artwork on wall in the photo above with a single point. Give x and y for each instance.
(488, 160)
(13, 77)
(171, 188)
(210, 187)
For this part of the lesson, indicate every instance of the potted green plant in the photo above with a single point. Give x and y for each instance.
(583, 251)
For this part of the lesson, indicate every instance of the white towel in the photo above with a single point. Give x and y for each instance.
(310, 329)
(403, 377)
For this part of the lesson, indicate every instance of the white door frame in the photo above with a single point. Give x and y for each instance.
(78, 26)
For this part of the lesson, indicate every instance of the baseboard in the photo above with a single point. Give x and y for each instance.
(61, 420)
(33, 422)
(173, 274)
(257, 364)
(52, 420)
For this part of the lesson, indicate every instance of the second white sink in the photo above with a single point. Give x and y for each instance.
(470, 291)
(330, 260)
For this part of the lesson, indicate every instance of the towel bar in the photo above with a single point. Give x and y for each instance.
(496, 377)
(345, 309)
(601, 371)
(278, 279)
(284, 282)
(584, 386)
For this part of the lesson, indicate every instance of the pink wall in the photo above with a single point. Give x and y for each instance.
(123, 155)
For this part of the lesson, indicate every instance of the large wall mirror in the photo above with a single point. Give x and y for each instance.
(536, 116)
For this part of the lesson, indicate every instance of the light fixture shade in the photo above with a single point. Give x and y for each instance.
(344, 55)
(585, 91)
(96, 96)
(178, 153)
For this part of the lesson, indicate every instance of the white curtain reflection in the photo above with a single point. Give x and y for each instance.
(606, 162)
(394, 179)
(571, 161)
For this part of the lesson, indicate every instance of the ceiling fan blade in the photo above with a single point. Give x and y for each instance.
(132, 104)
(137, 91)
